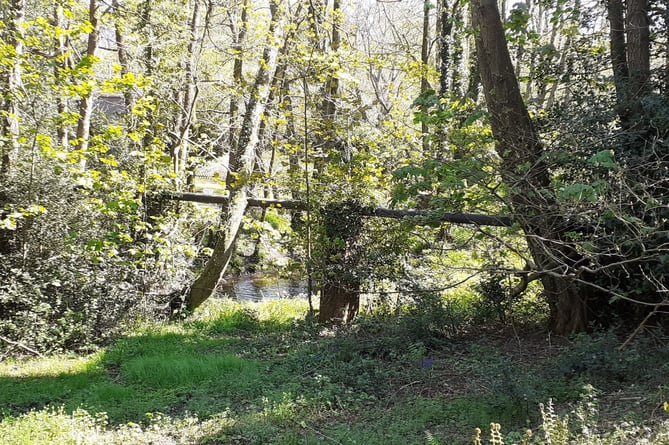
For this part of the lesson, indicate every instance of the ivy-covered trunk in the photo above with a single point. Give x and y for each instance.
(340, 291)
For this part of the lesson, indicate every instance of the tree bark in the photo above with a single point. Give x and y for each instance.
(424, 84)
(618, 51)
(340, 302)
(61, 64)
(13, 16)
(122, 54)
(638, 47)
(523, 170)
(237, 69)
(188, 106)
(241, 167)
(332, 87)
(86, 102)
(340, 290)
(380, 212)
(146, 26)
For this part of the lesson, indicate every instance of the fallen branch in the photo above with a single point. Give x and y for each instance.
(640, 328)
(20, 345)
(380, 212)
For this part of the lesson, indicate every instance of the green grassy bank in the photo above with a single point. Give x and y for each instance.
(261, 374)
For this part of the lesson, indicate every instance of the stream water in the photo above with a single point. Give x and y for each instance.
(261, 288)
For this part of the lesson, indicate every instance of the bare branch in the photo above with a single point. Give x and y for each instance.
(21, 345)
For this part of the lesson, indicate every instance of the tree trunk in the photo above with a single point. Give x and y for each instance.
(241, 167)
(61, 64)
(146, 26)
(13, 16)
(638, 47)
(340, 291)
(618, 54)
(186, 117)
(86, 101)
(424, 84)
(523, 170)
(340, 302)
(237, 70)
(122, 53)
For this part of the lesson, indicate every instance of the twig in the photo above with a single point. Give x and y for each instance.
(304, 425)
(639, 328)
(21, 345)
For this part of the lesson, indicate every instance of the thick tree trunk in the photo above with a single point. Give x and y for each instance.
(242, 163)
(340, 291)
(340, 302)
(523, 170)
(638, 47)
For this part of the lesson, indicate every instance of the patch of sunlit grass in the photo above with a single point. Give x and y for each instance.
(177, 371)
(49, 366)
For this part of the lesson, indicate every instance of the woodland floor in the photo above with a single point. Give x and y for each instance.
(260, 374)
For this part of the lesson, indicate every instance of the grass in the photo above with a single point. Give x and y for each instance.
(261, 374)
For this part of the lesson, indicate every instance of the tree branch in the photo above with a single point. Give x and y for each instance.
(380, 212)
(21, 345)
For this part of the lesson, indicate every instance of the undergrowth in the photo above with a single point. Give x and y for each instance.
(263, 373)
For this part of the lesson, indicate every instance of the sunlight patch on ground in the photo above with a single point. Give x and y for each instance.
(49, 366)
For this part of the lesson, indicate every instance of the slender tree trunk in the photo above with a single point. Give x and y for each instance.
(458, 34)
(523, 170)
(424, 84)
(146, 27)
(13, 17)
(122, 53)
(332, 87)
(241, 167)
(62, 63)
(665, 84)
(86, 102)
(189, 97)
(237, 69)
(474, 80)
(444, 63)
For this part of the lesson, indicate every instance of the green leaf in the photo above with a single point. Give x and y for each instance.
(603, 158)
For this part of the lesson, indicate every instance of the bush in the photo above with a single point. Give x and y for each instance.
(82, 253)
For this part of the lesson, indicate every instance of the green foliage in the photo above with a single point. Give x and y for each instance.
(287, 381)
(599, 359)
(579, 426)
(495, 299)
